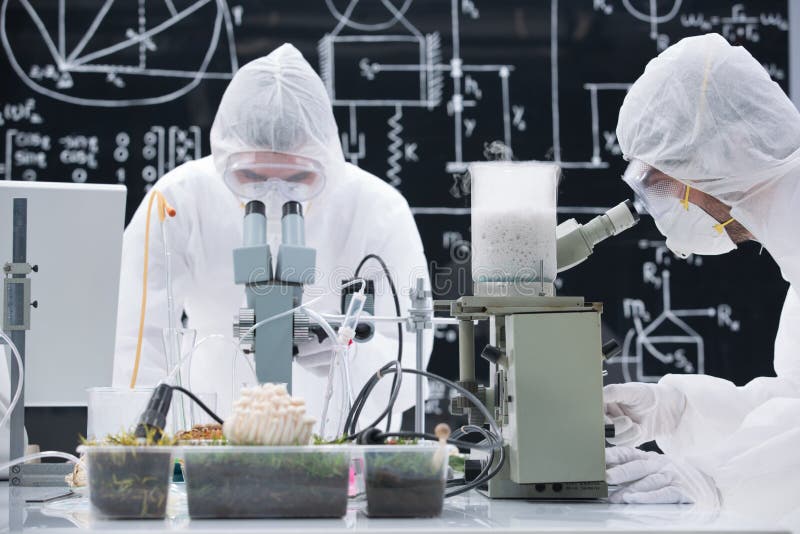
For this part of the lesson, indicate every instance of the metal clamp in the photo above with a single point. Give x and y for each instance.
(420, 315)
(19, 268)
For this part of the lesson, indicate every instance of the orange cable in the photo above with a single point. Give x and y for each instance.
(164, 209)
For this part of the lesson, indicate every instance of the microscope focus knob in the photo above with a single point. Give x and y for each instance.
(610, 348)
(364, 332)
(491, 354)
(242, 323)
(302, 327)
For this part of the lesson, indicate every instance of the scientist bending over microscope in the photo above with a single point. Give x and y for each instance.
(714, 151)
(275, 115)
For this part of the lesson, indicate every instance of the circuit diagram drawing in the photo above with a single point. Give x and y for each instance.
(669, 341)
(398, 37)
(127, 57)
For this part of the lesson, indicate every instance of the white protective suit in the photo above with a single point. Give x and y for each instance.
(708, 114)
(273, 103)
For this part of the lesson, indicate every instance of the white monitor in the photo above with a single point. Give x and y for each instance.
(75, 238)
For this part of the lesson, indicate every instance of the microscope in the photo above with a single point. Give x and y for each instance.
(273, 293)
(545, 352)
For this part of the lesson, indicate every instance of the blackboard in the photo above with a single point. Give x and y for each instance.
(108, 91)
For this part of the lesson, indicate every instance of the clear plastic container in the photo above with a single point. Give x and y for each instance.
(514, 227)
(128, 482)
(225, 482)
(404, 480)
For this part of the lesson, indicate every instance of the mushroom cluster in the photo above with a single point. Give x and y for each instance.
(268, 415)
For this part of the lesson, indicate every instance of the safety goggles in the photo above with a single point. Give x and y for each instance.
(658, 192)
(255, 175)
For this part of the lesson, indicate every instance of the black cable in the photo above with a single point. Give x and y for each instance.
(200, 403)
(486, 473)
(397, 311)
(474, 483)
(410, 434)
(482, 480)
(494, 442)
(351, 424)
(386, 369)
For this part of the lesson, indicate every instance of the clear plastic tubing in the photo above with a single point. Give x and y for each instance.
(38, 455)
(18, 392)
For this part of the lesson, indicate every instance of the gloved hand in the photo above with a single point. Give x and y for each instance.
(313, 354)
(651, 478)
(642, 412)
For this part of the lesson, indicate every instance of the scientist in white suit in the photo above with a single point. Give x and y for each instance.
(714, 151)
(275, 110)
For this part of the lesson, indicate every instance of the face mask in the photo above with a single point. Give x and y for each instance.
(690, 230)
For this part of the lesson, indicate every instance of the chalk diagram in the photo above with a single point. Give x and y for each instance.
(667, 342)
(72, 52)
(736, 26)
(649, 12)
(396, 36)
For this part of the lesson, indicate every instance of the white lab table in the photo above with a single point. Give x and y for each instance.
(469, 513)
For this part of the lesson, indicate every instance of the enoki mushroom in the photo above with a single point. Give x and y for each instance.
(268, 415)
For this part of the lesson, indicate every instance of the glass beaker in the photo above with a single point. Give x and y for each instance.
(514, 227)
(114, 410)
(178, 342)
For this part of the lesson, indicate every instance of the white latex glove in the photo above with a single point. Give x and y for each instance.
(313, 354)
(642, 412)
(651, 478)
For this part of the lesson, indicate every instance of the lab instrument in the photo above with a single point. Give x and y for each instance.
(513, 224)
(272, 295)
(545, 351)
(69, 304)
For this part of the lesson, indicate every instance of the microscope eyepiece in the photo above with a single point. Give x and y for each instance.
(632, 208)
(292, 208)
(255, 206)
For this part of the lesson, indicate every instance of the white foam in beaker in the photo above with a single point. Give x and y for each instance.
(513, 227)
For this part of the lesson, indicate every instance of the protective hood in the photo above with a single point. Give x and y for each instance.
(277, 103)
(708, 114)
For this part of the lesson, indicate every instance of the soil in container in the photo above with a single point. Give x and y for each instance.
(403, 484)
(263, 485)
(129, 484)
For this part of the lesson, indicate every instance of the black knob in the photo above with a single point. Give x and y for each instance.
(35, 268)
(364, 331)
(491, 354)
(611, 348)
(35, 304)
